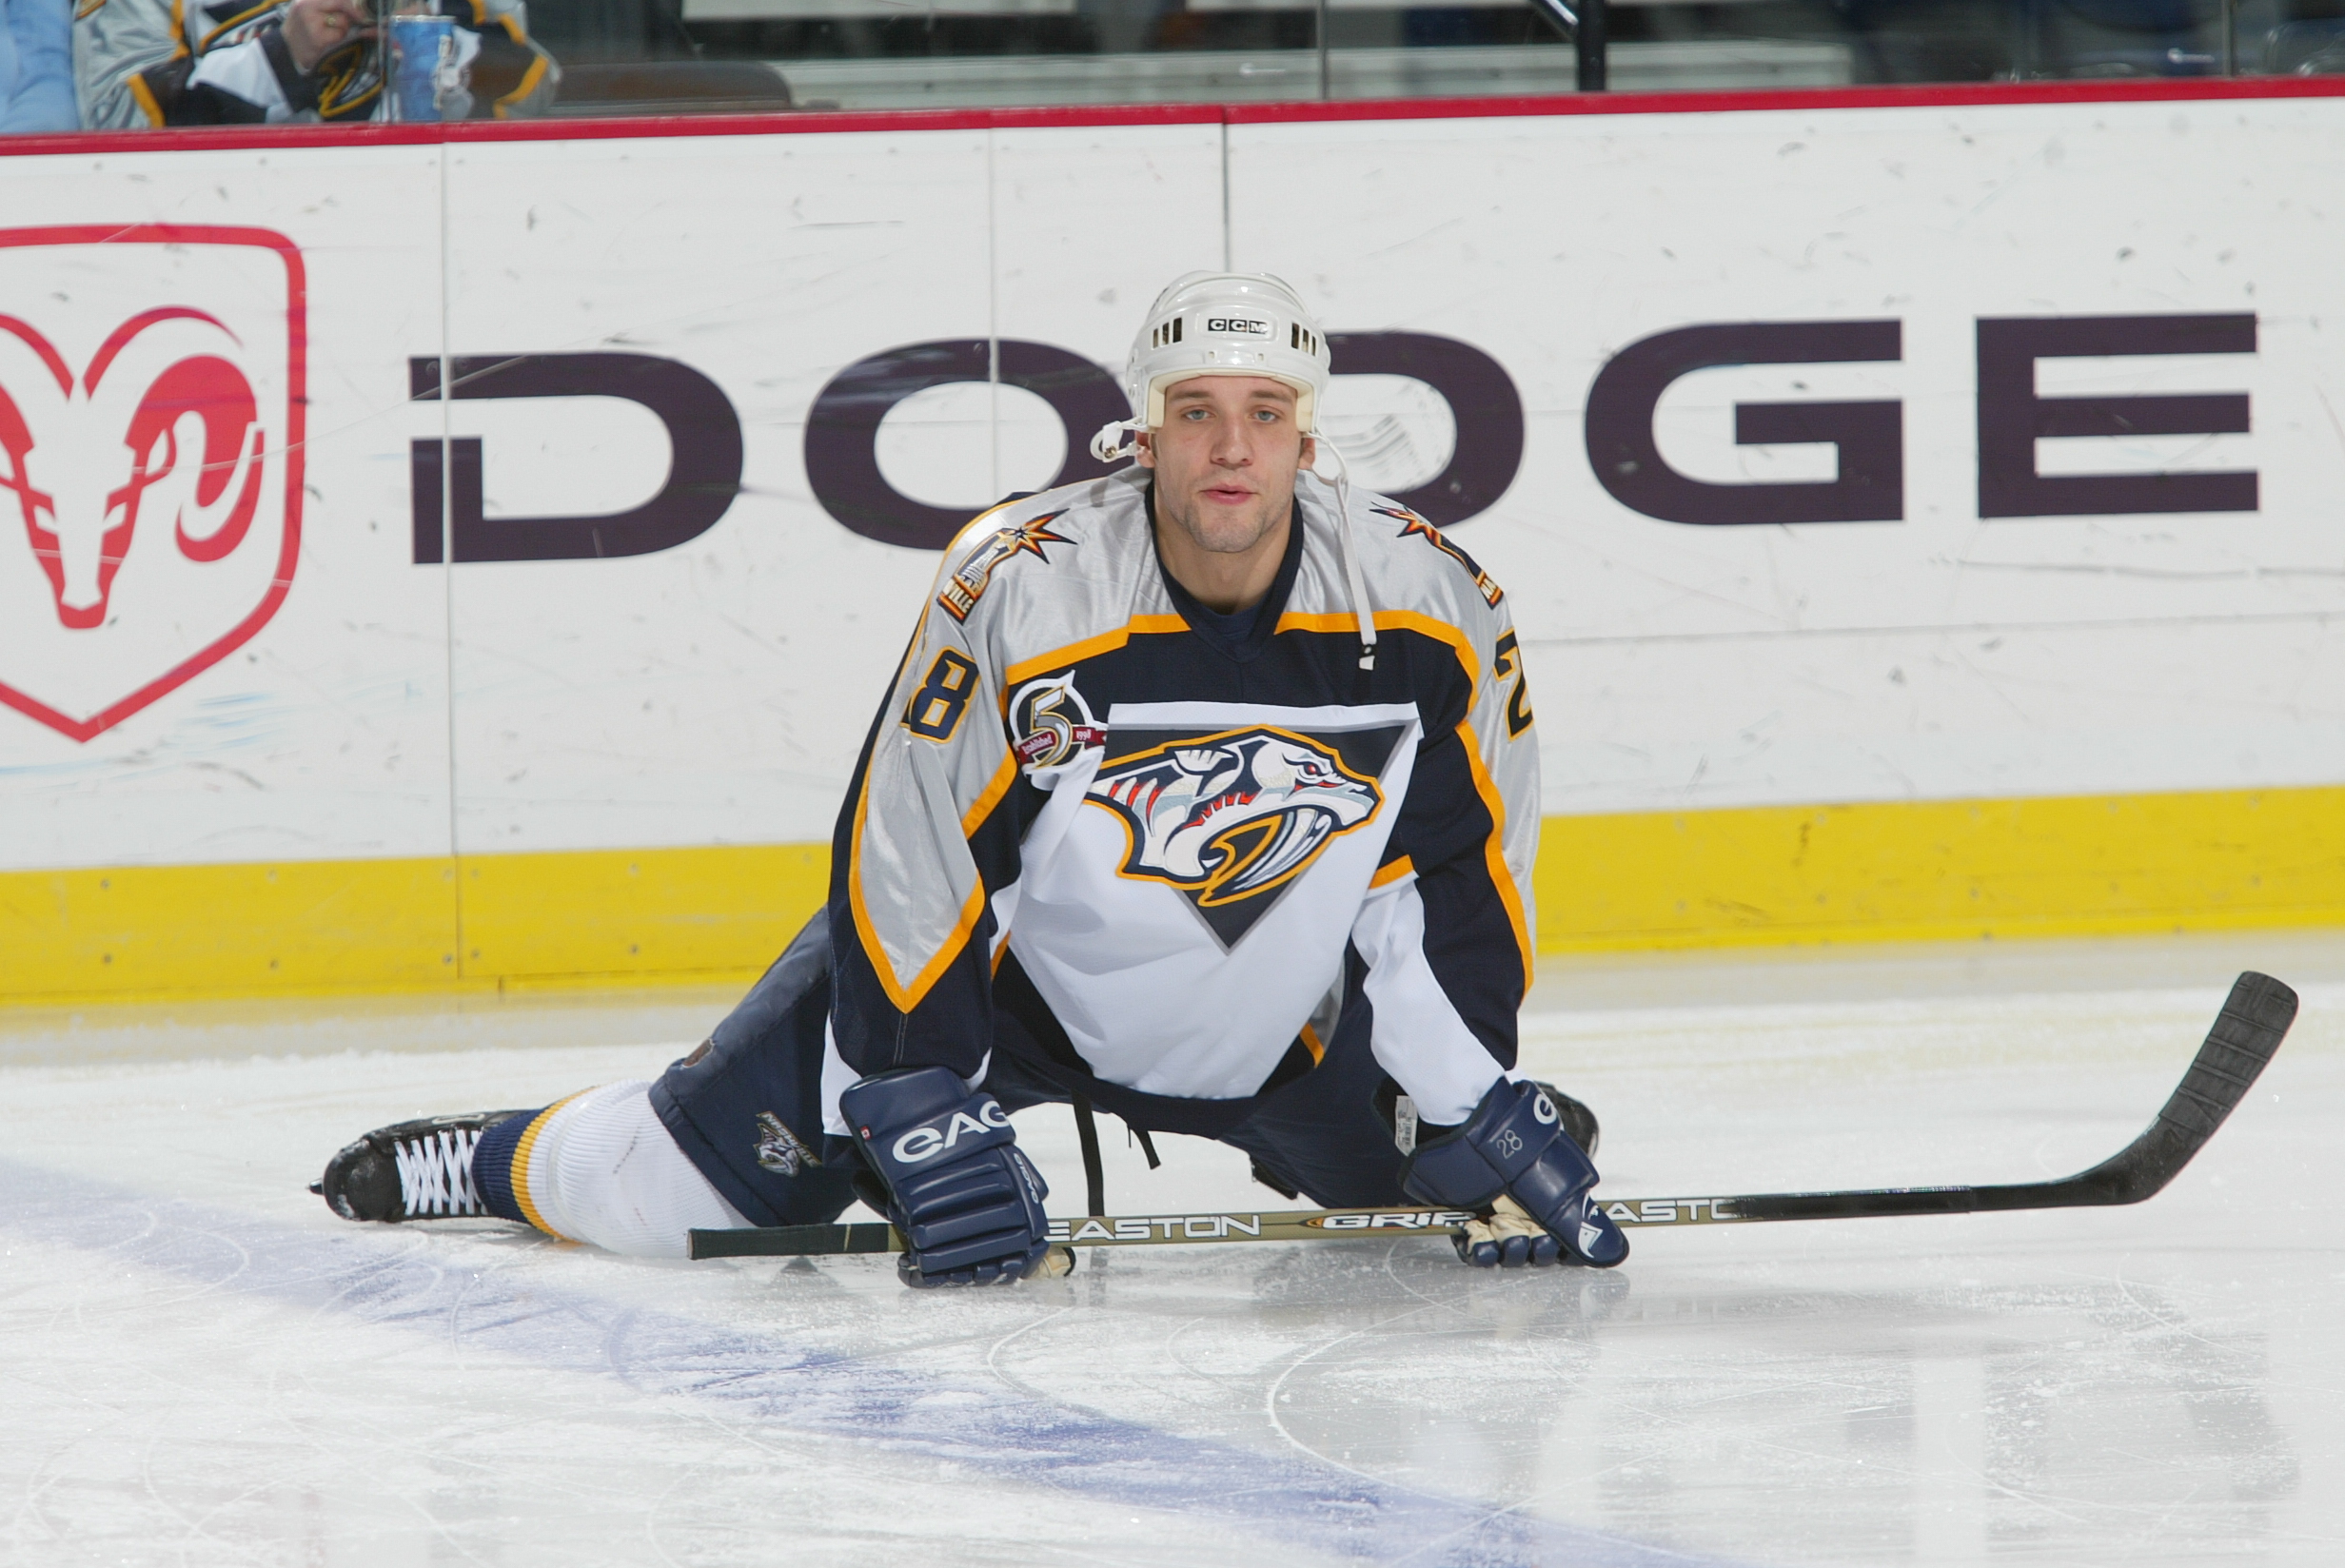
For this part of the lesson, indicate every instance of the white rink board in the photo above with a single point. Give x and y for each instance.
(719, 691)
(716, 692)
(325, 733)
(1934, 657)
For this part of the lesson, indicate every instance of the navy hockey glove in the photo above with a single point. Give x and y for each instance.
(968, 1202)
(1515, 1146)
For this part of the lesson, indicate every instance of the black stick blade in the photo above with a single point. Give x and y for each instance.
(2248, 1030)
(2238, 1048)
(2254, 1021)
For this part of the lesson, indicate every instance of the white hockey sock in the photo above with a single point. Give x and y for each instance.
(602, 1169)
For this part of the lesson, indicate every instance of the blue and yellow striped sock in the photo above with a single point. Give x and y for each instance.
(492, 1165)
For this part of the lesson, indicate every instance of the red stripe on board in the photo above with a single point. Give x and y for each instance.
(795, 123)
(1964, 95)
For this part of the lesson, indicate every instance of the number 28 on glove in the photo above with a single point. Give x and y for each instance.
(1513, 1158)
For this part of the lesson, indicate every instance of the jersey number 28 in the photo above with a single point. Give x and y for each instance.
(935, 710)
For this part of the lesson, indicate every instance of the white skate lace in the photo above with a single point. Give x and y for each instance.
(435, 1173)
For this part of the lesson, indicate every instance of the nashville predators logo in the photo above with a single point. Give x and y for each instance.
(1228, 819)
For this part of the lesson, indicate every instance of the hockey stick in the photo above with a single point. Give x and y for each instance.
(2248, 1030)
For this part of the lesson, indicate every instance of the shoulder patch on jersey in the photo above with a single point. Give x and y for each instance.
(1413, 526)
(974, 575)
(780, 1151)
(1052, 722)
(1227, 819)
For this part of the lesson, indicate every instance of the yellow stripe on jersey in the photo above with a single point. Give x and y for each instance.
(1396, 620)
(1090, 647)
(1494, 849)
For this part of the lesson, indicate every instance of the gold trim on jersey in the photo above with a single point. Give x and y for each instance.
(519, 1177)
(1090, 647)
(905, 997)
(1495, 849)
(248, 14)
(1395, 621)
(144, 96)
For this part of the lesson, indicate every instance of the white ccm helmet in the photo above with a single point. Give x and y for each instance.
(1239, 323)
(1220, 323)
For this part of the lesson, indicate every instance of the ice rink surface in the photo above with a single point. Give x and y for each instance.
(204, 1366)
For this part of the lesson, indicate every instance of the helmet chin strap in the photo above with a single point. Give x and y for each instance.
(1355, 582)
(1112, 444)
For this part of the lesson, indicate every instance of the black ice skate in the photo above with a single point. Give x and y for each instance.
(412, 1170)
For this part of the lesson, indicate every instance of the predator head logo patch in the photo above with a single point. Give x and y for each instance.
(780, 1151)
(1229, 819)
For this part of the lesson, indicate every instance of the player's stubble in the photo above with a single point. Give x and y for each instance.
(1224, 461)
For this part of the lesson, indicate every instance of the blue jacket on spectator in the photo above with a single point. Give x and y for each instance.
(36, 66)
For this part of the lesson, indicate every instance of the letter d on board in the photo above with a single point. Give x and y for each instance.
(704, 465)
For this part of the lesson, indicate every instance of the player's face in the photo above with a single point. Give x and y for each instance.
(1225, 459)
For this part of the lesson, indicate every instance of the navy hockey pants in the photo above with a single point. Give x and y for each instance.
(1326, 1132)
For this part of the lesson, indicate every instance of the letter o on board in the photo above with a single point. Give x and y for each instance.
(843, 463)
(1481, 396)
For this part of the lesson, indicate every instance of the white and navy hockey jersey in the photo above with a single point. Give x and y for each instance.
(1167, 838)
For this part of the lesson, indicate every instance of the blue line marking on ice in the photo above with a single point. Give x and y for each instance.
(1010, 1437)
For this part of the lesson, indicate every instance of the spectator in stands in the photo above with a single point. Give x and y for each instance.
(36, 67)
(142, 63)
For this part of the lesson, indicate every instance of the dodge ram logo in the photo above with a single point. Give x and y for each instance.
(150, 431)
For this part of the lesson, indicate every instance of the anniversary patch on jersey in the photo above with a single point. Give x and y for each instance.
(1052, 722)
(1413, 526)
(1231, 818)
(971, 576)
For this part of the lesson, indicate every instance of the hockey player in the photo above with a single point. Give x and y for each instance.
(142, 63)
(1206, 793)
